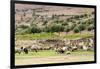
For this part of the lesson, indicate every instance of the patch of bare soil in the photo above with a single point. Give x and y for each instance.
(54, 59)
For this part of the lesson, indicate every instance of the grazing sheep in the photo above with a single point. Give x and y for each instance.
(21, 49)
(25, 50)
(74, 48)
(35, 48)
(60, 49)
(47, 48)
(18, 50)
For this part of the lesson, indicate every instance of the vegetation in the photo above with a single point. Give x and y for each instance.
(44, 35)
(78, 35)
(66, 29)
(36, 36)
(49, 53)
(75, 23)
(55, 28)
(35, 29)
(44, 27)
(91, 27)
(76, 30)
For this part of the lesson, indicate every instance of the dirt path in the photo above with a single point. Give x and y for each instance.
(54, 59)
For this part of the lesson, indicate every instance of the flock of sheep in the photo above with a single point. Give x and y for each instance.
(60, 46)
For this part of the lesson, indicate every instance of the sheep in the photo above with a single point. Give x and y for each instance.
(18, 50)
(61, 49)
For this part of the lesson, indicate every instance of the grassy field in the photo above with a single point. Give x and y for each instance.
(52, 36)
(36, 36)
(78, 35)
(47, 57)
(50, 56)
(51, 53)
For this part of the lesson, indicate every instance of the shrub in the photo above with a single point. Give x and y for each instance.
(76, 17)
(85, 15)
(81, 27)
(69, 20)
(64, 23)
(54, 28)
(72, 26)
(23, 26)
(91, 27)
(23, 31)
(76, 30)
(81, 16)
(35, 29)
(66, 29)
(45, 22)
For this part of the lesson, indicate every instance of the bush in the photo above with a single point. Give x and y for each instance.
(85, 15)
(23, 31)
(81, 27)
(72, 26)
(76, 30)
(90, 21)
(35, 29)
(54, 28)
(23, 26)
(45, 22)
(84, 23)
(64, 23)
(66, 29)
(81, 16)
(91, 27)
(76, 17)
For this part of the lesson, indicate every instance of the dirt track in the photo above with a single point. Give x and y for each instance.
(54, 59)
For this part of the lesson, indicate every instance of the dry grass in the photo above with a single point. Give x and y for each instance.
(56, 59)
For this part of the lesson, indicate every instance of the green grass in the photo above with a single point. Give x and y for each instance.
(52, 36)
(36, 36)
(49, 53)
(78, 35)
(36, 54)
(80, 52)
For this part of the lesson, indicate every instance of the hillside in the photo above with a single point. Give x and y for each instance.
(43, 18)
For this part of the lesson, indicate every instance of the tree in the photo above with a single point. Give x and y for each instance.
(81, 27)
(76, 30)
(91, 27)
(76, 17)
(64, 23)
(35, 29)
(66, 29)
(57, 28)
(85, 15)
(54, 28)
(72, 26)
